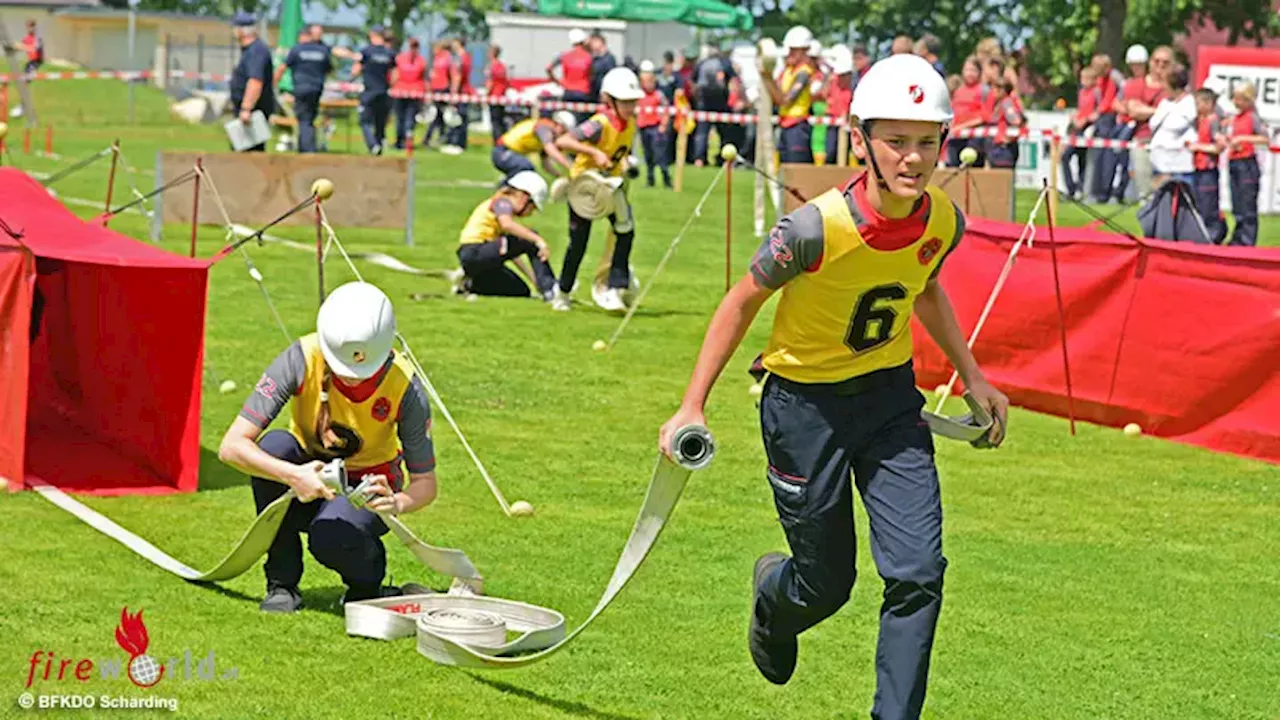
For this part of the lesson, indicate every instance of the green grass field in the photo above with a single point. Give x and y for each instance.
(1090, 577)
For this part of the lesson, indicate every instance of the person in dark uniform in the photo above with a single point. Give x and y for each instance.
(376, 62)
(309, 61)
(251, 80)
(602, 61)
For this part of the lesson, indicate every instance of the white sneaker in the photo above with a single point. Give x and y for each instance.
(451, 150)
(457, 278)
(611, 300)
(560, 302)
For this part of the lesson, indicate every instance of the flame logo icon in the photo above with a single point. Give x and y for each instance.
(131, 636)
(917, 94)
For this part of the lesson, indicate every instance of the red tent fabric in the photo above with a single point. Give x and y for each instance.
(1176, 337)
(111, 385)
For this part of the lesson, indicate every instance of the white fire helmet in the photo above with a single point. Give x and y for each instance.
(621, 84)
(532, 184)
(901, 87)
(577, 36)
(797, 37)
(357, 328)
(565, 119)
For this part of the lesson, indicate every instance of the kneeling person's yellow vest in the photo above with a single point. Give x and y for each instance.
(367, 427)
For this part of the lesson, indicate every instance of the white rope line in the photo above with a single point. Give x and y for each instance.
(1028, 235)
(334, 242)
(671, 249)
(252, 269)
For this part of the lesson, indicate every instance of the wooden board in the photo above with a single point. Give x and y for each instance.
(258, 187)
(990, 190)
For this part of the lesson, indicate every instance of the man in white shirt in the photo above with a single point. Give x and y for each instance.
(1173, 127)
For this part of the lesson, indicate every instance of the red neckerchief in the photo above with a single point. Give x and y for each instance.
(614, 119)
(364, 389)
(883, 233)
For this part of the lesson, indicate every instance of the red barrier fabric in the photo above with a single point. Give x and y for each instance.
(1179, 338)
(114, 375)
(17, 273)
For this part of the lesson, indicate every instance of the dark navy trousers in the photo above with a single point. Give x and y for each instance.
(1244, 174)
(816, 438)
(343, 538)
(508, 161)
(375, 110)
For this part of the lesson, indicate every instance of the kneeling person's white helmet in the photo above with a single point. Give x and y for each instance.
(797, 37)
(901, 87)
(565, 119)
(621, 84)
(357, 328)
(532, 184)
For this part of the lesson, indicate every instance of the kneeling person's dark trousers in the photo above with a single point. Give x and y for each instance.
(343, 538)
(814, 437)
(508, 161)
(485, 265)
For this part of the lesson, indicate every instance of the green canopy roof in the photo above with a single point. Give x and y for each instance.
(702, 13)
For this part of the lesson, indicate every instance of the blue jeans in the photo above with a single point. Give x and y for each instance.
(437, 125)
(833, 144)
(343, 538)
(1004, 155)
(306, 107)
(1244, 174)
(815, 437)
(374, 112)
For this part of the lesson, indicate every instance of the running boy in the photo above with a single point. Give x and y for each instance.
(840, 398)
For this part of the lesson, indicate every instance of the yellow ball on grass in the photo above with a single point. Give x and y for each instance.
(1133, 430)
(521, 508)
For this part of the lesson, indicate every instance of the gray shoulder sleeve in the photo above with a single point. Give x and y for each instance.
(588, 132)
(277, 386)
(955, 241)
(414, 429)
(793, 246)
(545, 134)
(798, 85)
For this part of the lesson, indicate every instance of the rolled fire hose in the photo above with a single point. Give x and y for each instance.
(451, 117)
(459, 630)
(591, 194)
(257, 539)
(973, 428)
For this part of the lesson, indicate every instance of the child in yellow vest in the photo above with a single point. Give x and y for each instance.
(840, 398)
(493, 236)
(351, 396)
(603, 143)
(533, 136)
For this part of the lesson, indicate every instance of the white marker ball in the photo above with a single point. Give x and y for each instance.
(1133, 429)
(227, 386)
(253, 273)
(322, 188)
(968, 156)
(755, 390)
(472, 298)
(728, 153)
(4, 484)
(520, 508)
(599, 346)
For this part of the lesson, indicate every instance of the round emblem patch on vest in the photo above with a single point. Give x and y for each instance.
(929, 250)
(381, 409)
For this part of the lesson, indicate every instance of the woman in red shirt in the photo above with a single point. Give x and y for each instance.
(408, 86)
(1007, 117)
(967, 104)
(496, 84)
(460, 84)
(441, 67)
(839, 96)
